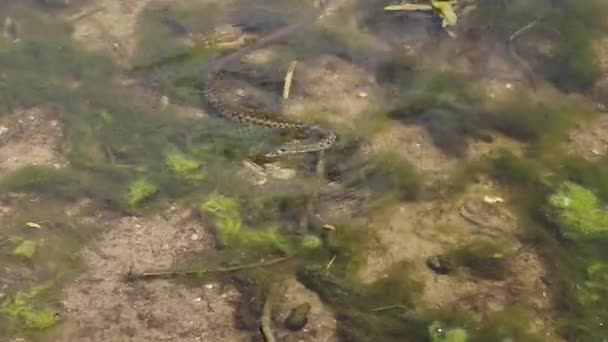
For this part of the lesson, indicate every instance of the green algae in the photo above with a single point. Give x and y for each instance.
(578, 212)
(230, 228)
(311, 242)
(183, 165)
(26, 249)
(139, 191)
(23, 309)
(438, 333)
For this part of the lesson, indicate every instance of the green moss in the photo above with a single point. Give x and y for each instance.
(139, 191)
(22, 309)
(577, 212)
(26, 249)
(184, 166)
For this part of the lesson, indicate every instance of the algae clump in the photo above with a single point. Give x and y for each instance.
(26, 249)
(229, 227)
(577, 212)
(438, 334)
(20, 308)
(183, 166)
(311, 242)
(139, 191)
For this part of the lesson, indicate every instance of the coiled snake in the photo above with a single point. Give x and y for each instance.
(328, 137)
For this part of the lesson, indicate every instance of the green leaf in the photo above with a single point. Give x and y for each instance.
(446, 11)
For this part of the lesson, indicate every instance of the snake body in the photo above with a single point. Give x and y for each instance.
(328, 137)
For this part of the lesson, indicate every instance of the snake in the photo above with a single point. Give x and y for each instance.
(266, 119)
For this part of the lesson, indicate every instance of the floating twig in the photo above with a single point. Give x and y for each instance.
(173, 273)
(288, 77)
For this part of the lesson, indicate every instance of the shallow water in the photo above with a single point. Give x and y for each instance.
(465, 198)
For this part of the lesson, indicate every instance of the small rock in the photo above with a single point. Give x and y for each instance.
(194, 237)
(439, 264)
(164, 101)
(3, 130)
(493, 199)
(209, 286)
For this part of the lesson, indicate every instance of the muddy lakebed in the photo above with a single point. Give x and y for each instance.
(464, 199)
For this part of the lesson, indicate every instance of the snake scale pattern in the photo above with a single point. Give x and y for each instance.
(328, 137)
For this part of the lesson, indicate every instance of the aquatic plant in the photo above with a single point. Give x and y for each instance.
(139, 191)
(41, 179)
(438, 333)
(571, 63)
(22, 308)
(26, 249)
(577, 212)
(230, 229)
(389, 172)
(183, 166)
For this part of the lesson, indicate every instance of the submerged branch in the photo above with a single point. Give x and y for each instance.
(173, 273)
(265, 323)
(528, 70)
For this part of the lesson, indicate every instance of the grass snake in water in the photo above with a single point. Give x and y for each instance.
(255, 118)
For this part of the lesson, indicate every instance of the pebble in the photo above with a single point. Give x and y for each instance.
(164, 101)
(3, 130)
(194, 237)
